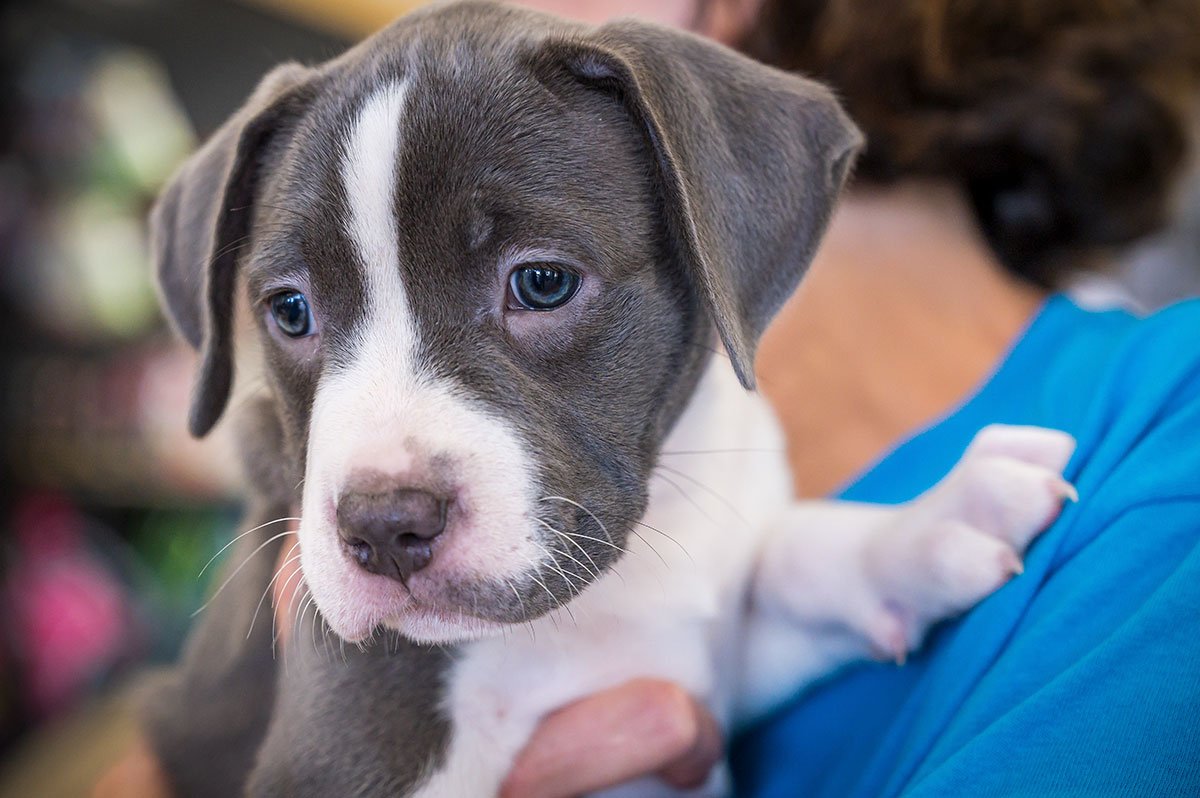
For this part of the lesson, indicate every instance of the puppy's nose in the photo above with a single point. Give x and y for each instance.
(390, 533)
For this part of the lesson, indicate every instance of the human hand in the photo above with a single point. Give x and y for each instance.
(646, 727)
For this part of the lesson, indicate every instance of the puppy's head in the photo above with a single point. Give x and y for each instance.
(486, 251)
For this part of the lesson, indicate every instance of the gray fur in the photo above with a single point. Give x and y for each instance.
(381, 729)
(691, 182)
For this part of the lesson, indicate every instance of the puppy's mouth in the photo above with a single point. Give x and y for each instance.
(426, 610)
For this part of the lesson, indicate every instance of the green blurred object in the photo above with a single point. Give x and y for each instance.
(99, 254)
(175, 545)
(94, 258)
(141, 127)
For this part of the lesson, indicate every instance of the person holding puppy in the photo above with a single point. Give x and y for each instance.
(1009, 144)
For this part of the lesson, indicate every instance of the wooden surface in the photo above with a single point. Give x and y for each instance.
(65, 758)
(352, 19)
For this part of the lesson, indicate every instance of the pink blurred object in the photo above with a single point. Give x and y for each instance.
(70, 616)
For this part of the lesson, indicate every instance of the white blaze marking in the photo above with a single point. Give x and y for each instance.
(369, 174)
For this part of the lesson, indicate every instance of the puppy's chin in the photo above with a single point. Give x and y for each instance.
(355, 614)
(418, 624)
(356, 605)
(432, 627)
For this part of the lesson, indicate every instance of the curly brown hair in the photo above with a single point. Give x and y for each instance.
(1066, 121)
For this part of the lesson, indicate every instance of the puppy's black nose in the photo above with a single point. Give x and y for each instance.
(390, 533)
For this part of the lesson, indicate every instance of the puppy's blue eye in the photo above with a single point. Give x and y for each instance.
(542, 286)
(292, 314)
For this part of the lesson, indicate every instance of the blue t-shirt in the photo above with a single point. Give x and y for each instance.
(1080, 677)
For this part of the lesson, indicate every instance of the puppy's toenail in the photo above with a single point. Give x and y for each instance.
(1066, 490)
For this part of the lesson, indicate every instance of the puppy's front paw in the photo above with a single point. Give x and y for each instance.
(945, 551)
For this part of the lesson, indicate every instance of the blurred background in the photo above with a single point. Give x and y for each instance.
(108, 510)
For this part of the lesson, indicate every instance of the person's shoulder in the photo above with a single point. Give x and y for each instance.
(1121, 334)
(1172, 333)
(1155, 359)
(1085, 367)
(1140, 434)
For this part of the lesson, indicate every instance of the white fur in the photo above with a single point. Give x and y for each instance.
(383, 413)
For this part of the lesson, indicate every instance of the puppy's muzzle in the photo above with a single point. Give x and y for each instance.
(391, 533)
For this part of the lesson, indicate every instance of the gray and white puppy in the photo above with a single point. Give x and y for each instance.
(489, 255)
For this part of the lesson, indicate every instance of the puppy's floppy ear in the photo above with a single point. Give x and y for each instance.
(198, 229)
(750, 159)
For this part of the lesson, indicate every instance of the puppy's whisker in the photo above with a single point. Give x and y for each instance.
(253, 385)
(308, 602)
(554, 603)
(594, 571)
(294, 621)
(239, 537)
(566, 575)
(293, 647)
(524, 610)
(245, 240)
(238, 570)
(290, 558)
(301, 589)
(516, 593)
(570, 536)
(687, 497)
(298, 574)
(586, 510)
(722, 499)
(682, 548)
(605, 528)
(313, 632)
(650, 546)
(611, 545)
(232, 246)
(325, 654)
